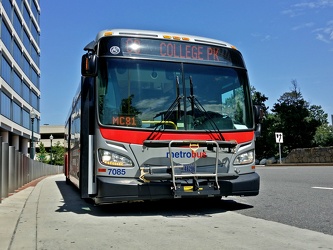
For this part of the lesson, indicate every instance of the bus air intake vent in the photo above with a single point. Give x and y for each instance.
(137, 34)
(212, 43)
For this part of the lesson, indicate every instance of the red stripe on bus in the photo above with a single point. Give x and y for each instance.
(101, 170)
(138, 137)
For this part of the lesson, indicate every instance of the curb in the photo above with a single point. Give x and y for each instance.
(297, 165)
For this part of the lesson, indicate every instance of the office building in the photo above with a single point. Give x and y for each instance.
(20, 73)
(54, 134)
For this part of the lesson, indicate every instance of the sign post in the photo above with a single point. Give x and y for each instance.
(279, 140)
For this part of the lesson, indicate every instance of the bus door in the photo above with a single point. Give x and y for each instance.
(87, 168)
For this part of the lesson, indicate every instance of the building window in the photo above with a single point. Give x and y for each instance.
(35, 11)
(26, 15)
(5, 105)
(8, 7)
(34, 55)
(16, 113)
(26, 41)
(26, 67)
(26, 92)
(26, 119)
(17, 85)
(17, 54)
(34, 77)
(36, 126)
(34, 100)
(19, 4)
(5, 70)
(17, 25)
(35, 33)
(6, 37)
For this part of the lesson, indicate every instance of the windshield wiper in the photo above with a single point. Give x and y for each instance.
(173, 106)
(194, 102)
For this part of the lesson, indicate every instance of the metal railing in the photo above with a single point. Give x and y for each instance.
(16, 170)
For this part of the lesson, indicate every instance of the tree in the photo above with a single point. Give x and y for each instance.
(302, 125)
(42, 155)
(295, 120)
(324, 133)
(317, 113)
(57, 154)
(259, 99)
(324, 136)
(265, 144)
(265, 147)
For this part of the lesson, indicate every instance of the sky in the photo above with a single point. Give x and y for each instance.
(281, 41)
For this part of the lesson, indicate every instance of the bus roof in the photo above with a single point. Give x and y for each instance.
(162, 35)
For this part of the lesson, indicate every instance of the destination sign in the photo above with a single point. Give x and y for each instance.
(170, 49)
(174, 49)
(165, 48)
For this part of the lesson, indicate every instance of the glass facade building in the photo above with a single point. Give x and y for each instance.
(19, 72)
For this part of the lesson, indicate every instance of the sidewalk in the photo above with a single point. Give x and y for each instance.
(10, 212)
(11, 209)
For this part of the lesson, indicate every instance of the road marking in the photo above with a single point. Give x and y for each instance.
(326, 188)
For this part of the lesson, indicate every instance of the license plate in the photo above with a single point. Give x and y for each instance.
(188, 168)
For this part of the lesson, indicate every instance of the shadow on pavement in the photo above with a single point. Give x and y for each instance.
(168, 208)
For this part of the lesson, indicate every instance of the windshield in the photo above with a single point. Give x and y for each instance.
(172, 95)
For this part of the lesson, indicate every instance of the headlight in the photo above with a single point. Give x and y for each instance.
(110, 158)
(245, 158)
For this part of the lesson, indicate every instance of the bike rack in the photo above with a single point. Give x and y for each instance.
(212, 188)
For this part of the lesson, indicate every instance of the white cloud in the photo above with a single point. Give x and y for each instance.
(262, 37)
(266, 38)
(321, 38)
(303, 26)
(300, 8)
(291, 13)
(325, 34)
(314, 4)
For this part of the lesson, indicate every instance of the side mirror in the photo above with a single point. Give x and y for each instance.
(89, 65)
(258, 117)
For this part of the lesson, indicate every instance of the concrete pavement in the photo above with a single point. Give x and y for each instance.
(11, 211)
(43, 217)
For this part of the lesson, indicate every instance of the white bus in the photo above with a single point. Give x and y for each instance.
(160, 115)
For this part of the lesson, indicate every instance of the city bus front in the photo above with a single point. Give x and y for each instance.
(173, 119)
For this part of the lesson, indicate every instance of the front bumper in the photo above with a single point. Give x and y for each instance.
(112, 190)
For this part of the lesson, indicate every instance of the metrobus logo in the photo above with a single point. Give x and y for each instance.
(182, 154)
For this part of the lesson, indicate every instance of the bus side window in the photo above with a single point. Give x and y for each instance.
(108, 102)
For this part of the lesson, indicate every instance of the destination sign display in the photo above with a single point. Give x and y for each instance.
(174, 49)
(170, 49)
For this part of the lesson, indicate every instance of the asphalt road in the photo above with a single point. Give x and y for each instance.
(296, 196)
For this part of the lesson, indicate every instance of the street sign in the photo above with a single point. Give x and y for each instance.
(278, 137)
